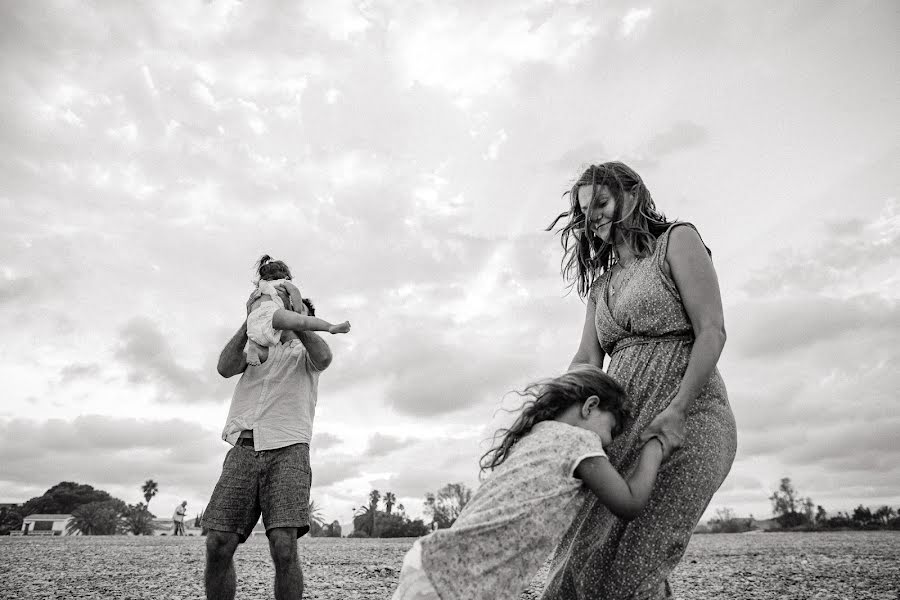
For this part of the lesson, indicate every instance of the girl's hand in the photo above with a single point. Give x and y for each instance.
(293, 293)
(340, 328)
(668, 426)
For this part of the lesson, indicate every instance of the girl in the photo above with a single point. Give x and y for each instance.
(268, 316)
(543, 469)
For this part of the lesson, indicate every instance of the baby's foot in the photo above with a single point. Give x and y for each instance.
(340, 328)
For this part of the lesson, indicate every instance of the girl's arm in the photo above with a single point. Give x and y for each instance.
(624, 498)
(589, 351)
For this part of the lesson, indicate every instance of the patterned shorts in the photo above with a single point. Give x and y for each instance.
(272, 482)
(414, 581)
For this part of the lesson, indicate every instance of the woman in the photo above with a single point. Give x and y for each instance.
(654, 308)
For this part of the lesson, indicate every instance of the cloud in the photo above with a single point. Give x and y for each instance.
(324, 441)
(109, 452)
(151, 359)
(682, 135)
(633, 17)
(382, 445)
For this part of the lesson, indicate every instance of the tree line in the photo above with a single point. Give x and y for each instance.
(94, 512)
(443, 508)
(797, 513)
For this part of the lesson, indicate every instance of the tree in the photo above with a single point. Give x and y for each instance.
(401, 509)
(63, 498)
(150, 488)
(138, 520)
(821, 515)
(784, 500)
(198, 520)
(315, 513)
(862, 515)
(374, 497)
(98, 518)
(445, 506)
(389, 501)
(10, 519)
(789, 508)
(884, 515)
(363, 521)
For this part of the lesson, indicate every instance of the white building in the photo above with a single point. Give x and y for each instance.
(45, 524)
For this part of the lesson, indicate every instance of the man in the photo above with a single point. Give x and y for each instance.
(267, 471)
(178, 518)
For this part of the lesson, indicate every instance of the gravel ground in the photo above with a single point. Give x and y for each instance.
(822, 566)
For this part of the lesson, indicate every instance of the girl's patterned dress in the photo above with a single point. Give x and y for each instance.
(648, 337)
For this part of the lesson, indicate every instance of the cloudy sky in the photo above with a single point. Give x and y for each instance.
(404, 158)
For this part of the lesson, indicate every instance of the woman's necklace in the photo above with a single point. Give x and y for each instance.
(615, 277)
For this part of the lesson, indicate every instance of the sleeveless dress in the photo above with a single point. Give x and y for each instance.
(648, 337)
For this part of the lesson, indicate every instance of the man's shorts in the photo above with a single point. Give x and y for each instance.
(272, 482)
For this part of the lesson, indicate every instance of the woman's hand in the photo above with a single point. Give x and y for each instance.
(668, 426)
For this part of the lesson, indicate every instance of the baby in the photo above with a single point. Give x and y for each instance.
(264, 313)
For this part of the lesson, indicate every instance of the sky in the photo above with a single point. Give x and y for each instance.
(404, 158)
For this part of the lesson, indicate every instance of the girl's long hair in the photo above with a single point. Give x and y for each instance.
(585, 257)
(548, 399)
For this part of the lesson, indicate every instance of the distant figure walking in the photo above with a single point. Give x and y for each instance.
(269, 426)
(178, 518)
(653, 307)
(544, 468)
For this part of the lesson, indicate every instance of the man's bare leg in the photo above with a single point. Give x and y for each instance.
(288, 575)
(220, 578)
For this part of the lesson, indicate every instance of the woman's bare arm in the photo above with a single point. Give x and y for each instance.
(697, 283)
(589, 351)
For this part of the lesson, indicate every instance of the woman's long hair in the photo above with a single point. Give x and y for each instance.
(585, 256)
(548, 399)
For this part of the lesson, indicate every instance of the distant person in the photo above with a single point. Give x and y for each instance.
(178, 518)
(654, 308)
(544, 468)
(267, 303)
(269, 426)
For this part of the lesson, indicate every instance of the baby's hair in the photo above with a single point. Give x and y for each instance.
(549, 398)
(269, 269)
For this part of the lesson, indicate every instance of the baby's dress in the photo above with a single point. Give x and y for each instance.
(260, 332)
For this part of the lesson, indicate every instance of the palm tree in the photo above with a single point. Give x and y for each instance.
(389, 501)
(95, 518)
(149, 488)
(374, 497)
(401, 509)
(362, 520)
(315, 513)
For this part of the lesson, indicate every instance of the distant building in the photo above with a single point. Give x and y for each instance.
(44, 525)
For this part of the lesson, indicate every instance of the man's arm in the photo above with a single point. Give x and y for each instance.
(319, 352)
(232, 360)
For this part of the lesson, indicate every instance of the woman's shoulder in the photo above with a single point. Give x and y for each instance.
(678, 234)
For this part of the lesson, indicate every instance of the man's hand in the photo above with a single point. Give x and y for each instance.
(293, 293)
(340, 328)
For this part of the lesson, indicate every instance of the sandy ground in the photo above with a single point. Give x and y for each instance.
(823, 566)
